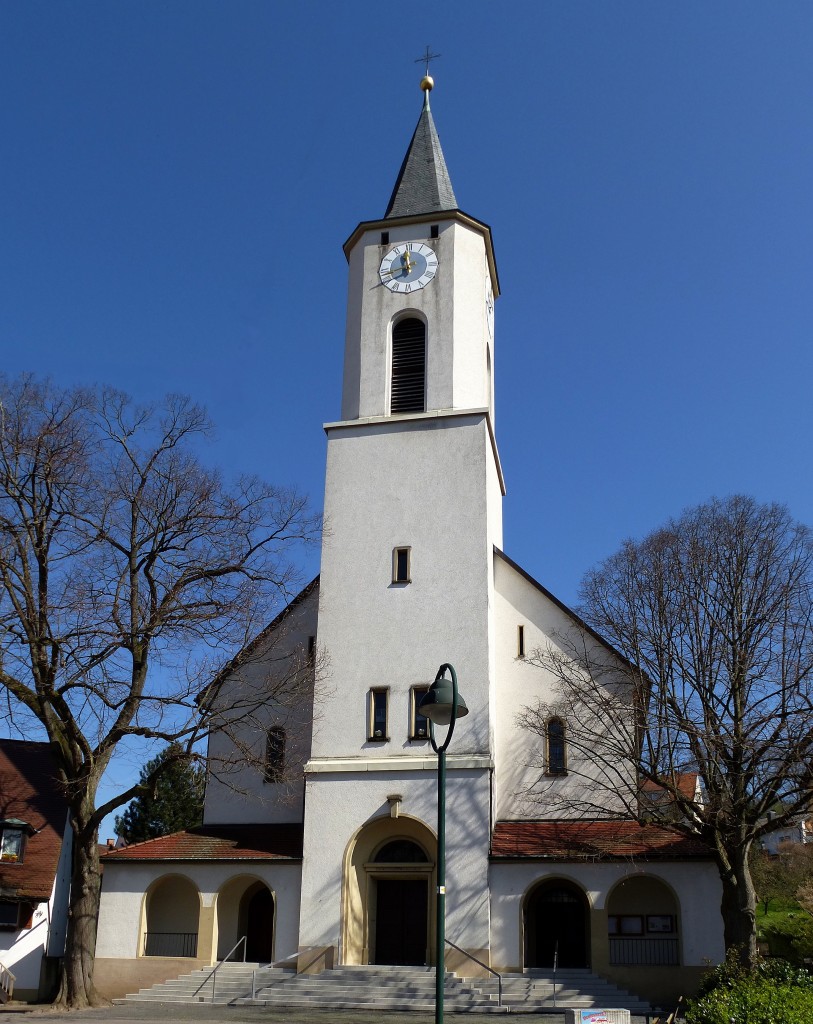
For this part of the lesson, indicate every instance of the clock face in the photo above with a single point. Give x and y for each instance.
(408, 267)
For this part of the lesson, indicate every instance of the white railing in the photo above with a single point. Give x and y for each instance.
(7, 980)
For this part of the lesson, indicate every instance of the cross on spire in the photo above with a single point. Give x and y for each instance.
(426, 58)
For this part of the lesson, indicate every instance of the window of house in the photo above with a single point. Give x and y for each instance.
(557, 754)
(418, 725)
(274, 754)
(9, 914)
(12, 842)
(520, 641)
(401, 565)
(16, 915)
(408, 383)
(377, 730)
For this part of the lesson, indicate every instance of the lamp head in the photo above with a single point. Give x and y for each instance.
(438, 702)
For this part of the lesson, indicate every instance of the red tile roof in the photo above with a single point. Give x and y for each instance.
(591, 840)
(685, 782)
(31, 792)
(218, 842)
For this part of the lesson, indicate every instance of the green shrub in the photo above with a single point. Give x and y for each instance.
(775, 992)
(753, 1001)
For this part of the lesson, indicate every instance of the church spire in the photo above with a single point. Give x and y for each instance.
(423, 184)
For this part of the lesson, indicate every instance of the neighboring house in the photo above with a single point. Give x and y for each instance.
(35, 863)
(331, 845)
(799, 832)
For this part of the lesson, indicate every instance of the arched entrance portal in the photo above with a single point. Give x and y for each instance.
(387, 912)
(557, 926)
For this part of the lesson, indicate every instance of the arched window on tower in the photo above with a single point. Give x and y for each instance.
(408, 384)
(557, 753)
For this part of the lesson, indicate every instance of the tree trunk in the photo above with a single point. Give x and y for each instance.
(76, 989)
(738, 905)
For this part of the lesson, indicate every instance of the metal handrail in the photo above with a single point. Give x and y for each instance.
(490, 970)
(218, 965)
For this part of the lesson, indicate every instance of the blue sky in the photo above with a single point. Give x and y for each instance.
(178, 178)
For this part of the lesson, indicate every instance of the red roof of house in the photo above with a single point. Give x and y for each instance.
(684, 782)
(591, 840)
(218, 842)
(31, 792)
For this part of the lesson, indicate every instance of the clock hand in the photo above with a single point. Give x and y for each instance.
(407, 266)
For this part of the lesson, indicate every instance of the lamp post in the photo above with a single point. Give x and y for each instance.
(442, 705)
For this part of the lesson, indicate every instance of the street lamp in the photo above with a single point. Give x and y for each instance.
(442, 705)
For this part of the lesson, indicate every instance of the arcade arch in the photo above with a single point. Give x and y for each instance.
(246, 906)
(171, 917)
(556, 918)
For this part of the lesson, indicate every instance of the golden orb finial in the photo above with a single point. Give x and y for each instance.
(427, 83)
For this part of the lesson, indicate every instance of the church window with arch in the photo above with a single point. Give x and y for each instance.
(556, 747)
(408, 381)
(274, 754)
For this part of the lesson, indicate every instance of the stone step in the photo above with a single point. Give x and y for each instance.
(394, 989)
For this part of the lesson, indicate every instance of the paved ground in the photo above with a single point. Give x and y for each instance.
(160, 1013)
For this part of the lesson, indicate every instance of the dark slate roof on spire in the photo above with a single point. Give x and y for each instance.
(423, 184)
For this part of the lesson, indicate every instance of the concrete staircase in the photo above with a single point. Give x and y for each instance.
(390, 988)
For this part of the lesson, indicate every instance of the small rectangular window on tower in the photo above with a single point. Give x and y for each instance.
(385, 238)
(401, 558)
(377, 725)
(418, 724)
(520, 641)
(434, 231)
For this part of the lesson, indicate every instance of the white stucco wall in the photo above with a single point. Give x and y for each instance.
(518, 752)
(422, 484)
(236, 791)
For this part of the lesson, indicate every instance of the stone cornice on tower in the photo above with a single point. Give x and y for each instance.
(456, 215)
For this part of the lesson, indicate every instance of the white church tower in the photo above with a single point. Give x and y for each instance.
(413, 510)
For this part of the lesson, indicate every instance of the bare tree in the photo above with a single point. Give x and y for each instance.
(127, 571)
(712, 617)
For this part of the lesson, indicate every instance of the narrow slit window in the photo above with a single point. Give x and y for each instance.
(274, 754)
(378, 715)
(557, 753)
(385, 238)
(408, 383)
(434, 230)
(520, 641)
(311, 649)
(419, 725)
(401, 565)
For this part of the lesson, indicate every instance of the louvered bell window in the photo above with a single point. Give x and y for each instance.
(408, 392)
